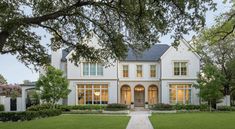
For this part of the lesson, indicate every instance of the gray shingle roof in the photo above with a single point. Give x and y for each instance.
(152, 54)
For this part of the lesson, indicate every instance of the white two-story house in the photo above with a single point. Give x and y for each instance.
(161, 74)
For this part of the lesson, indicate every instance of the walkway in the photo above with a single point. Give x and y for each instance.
(139, 120)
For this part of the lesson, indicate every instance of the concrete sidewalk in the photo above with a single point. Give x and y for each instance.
(139, 120)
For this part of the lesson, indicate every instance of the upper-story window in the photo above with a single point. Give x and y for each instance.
(139, 71)
(125, 70)
(152, 70)
(180, 68)
(93, 69)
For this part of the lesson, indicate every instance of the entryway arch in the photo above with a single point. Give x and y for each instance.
(139, 96)
(126, 94)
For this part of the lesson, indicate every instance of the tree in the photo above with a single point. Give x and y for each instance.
(52, 86)
(2, 80)
(210, 82)
(119, 24)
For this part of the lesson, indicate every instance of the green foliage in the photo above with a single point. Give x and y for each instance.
(116, 107)
(210, 83)
(162, 106)
(28, 115)
(53, 86)
(2, 80)
(2, 107)
(40, 107)
(225, 108)
(117, 23)
(202, 107)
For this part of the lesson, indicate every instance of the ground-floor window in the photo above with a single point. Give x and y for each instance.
(92, 93)
(152, 94)
(180, 93)
(126, 95)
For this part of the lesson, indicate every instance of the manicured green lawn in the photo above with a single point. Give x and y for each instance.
(73, 121)
(194, 121)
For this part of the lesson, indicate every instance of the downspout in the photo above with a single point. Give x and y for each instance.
(117, 80)
(160, 81)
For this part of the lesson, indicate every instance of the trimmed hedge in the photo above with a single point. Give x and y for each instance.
(116, 107)
(28, 115)
(162, 107)
(40, 107)
(1, 107)
(225, 108)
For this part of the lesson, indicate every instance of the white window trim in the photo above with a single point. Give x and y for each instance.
(180, 61)
(141, 70)
(176, 101)
(123, 70)
(89, 66)
(155, 71)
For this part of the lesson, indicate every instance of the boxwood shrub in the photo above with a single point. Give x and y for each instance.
(225, 108)
(162, 106)
(28, 115)
(1, 107)
(116, 107)
(40, 107)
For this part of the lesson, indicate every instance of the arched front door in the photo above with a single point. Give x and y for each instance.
(139, 96)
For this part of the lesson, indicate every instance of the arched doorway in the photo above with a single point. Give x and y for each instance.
(126, 95)
(152, 94)
(139, 96)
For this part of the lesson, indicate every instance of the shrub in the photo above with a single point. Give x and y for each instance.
(28, 115)
(204, 107)
(40, 107)
(224, 108)
(1, 107)
(88, 107)
(186, 107)
(162, 106)
(116, 107)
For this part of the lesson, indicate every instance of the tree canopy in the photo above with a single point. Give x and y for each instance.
(52, 86)
(119, 24)
(2, 80)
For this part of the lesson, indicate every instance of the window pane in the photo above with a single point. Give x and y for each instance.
(80, 96)
(96, 96)
(183, 68)
(92, 69)
(176, 68)
(88, 96)
(173, 96)
(187, 96)
(99, 69)
(125, 71)
(180, 96)
(126, 95)
(85, 68)
(104, 97)
(152, 70)
(139, 71)
(152, 94)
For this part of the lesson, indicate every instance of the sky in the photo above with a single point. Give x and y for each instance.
(16, 72)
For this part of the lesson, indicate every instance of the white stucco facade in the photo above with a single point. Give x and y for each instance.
(113, 76)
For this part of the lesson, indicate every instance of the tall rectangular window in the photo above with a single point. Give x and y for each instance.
(152, 70)
(93, 69)
(139, 71)
(180, 68)
(180, 93)
(125, 70)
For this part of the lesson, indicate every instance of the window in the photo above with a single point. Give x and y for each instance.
(139, 70)
(152, 70)
(125, 70)
(93, 69)
(126, 95)
(180, 68)
(92, 94)
(152, 95)
(180, 93)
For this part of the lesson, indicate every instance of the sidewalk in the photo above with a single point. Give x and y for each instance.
(139, 120)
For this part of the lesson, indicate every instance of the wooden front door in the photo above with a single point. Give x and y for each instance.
(139, 96)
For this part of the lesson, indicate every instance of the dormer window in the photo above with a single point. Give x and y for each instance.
(92, 69)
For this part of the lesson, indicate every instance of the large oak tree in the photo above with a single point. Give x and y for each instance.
(118, 24)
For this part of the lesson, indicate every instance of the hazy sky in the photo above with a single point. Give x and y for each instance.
(15, 72)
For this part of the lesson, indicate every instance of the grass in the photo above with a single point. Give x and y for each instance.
(74, 121)
(205, 120)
